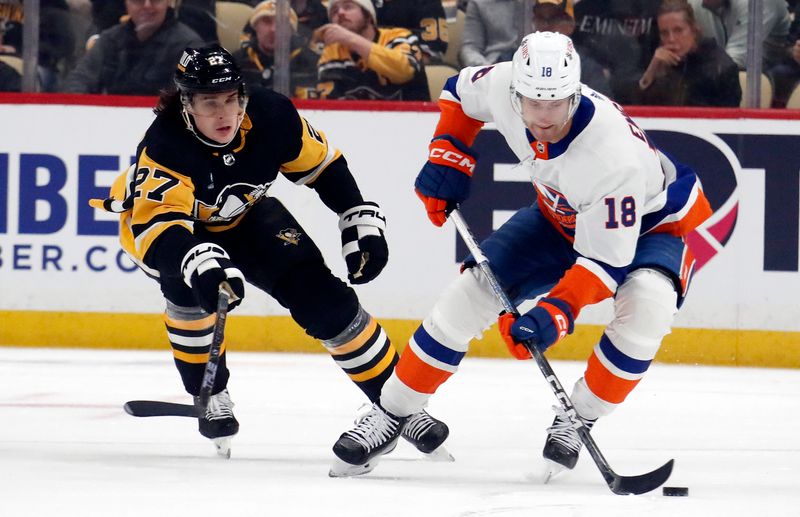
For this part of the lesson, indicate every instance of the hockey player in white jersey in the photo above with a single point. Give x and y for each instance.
(610, 218)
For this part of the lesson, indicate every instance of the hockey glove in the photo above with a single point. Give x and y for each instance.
(544, 325)
(363, 245)
(445, 178)
(204, 268)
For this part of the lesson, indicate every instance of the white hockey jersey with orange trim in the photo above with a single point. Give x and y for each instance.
(602, 186)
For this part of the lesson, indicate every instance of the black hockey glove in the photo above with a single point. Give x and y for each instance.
(363, 245)
(204, 268)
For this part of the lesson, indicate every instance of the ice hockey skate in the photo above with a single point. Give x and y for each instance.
(218, 424)
(359, 449)
(427, 434)
(563, 444)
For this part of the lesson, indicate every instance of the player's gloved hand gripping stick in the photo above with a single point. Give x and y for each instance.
(158, 408)
(622, 485)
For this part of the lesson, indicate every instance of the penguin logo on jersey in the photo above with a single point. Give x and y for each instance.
(233, 201)
(289, 236)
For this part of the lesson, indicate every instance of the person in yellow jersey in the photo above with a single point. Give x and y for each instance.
(195, 213)
(362, 61)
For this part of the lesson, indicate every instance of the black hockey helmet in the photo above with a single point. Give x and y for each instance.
(207, 69)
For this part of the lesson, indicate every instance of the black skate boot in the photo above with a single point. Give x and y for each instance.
(359, 449)
(218, 424)
(563, 444)
(427, 434)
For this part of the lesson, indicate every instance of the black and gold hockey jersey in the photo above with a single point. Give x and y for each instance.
(179, 182)
(392, 71)
(425, 18)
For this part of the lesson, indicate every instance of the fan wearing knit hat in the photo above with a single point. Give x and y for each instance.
(361, 61)
(256, 58)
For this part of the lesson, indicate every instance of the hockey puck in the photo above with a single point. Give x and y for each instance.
(675, 491)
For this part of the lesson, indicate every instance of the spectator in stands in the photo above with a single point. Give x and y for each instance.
(311, 15)
(198, 15)
(10, 80)
(621, 35)
(256, 58)
(56, 39)
(491, 31)
(688, 70)
(786, 74)
(136, 57)
(556, 16)
(425, 18)
(726, 21)
(361, 61)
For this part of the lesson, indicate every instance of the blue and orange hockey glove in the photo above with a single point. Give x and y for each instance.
(445, 178)
(545, 325)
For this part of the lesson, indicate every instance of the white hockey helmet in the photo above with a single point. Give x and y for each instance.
(546, 67)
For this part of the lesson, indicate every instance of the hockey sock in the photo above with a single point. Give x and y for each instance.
(365, 353)
(190, 331)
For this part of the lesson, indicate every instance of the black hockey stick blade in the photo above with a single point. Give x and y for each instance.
(144, 408)
(635, 485)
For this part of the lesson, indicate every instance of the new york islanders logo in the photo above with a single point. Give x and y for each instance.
(558, 207)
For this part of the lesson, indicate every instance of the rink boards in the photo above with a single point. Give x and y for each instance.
(64, 281)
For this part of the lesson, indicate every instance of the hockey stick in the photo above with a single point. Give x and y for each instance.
(143, 408)
(621, 485)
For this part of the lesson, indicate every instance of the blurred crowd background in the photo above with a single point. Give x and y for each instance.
(726, 53)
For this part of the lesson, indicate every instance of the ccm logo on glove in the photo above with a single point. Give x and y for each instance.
(443, 152)
(444, 179)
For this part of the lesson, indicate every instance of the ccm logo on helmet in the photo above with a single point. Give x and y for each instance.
(220, 80)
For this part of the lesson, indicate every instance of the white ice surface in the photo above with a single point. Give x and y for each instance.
(67, 448)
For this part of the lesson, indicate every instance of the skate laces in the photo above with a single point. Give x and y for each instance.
(220, 406)
(373, 429)
(418, 424)
(564, 430)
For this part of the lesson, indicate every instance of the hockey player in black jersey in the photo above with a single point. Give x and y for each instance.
(195, 213)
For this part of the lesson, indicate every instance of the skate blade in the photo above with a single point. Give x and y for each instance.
(551, 470)
(223, 446)
(341, 469)
(440, 454)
